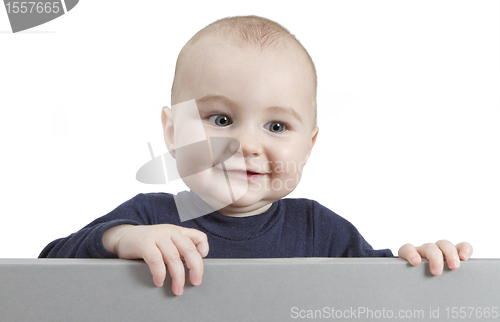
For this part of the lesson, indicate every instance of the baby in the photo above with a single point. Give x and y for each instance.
(247, 79)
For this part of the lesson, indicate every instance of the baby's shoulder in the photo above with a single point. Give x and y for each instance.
(155, 207)
(151, 200)
(160, 198)
(304, 205)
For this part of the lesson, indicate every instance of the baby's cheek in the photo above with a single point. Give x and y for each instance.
(286, 176)
(287, 162)
(211, 185)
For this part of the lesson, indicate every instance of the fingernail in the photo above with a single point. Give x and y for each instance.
(465, 256)
(453, 264)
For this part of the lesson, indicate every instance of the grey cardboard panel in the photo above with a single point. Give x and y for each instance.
(365, 289)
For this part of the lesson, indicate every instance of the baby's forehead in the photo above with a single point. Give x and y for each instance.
(285, 46)
(189, 84)
(202, 53)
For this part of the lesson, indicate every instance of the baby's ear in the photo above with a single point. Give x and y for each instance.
(168, 129)
(314, 135)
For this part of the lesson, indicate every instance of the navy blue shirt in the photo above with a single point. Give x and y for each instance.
(289, 228)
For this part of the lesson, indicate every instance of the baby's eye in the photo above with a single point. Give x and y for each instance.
(276, 127)
(220, 120)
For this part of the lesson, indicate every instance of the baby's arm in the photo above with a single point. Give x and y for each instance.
(138, 228)
(435, 252)
(160, 244)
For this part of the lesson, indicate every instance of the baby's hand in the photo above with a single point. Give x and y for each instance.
(435, 252)
(159, 245)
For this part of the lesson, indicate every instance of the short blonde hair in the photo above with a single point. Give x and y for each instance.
(246, 31)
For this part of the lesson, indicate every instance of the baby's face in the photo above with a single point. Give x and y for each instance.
(263, 100)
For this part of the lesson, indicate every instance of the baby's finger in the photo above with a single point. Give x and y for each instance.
(153, 257)
(450, 253)
(464, 250)
(435, 257)
(199, 239)
(175, 265)
(191, 256)
(409, 253)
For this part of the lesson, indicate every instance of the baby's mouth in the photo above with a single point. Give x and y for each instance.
(245, 174)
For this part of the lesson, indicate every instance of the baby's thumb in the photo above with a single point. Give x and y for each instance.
(199, 239)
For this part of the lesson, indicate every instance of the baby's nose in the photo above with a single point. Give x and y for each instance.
(250, 144)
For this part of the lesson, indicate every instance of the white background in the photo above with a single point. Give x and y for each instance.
(408, 110)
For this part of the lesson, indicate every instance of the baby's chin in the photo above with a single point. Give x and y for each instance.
(249, 198)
